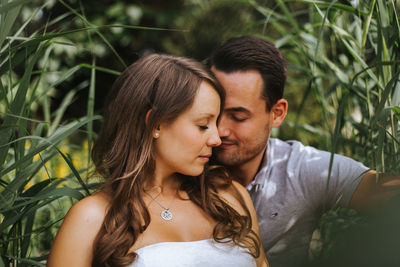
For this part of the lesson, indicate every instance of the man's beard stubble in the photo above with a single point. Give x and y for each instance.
(240, 155)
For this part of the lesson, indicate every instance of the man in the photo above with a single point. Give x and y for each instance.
(286, 180)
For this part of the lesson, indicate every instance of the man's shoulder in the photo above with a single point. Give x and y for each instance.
(292, 146)
(281, 143)
(278, 147)
(293, 156)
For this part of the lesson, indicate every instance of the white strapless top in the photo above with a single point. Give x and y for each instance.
(206, 253)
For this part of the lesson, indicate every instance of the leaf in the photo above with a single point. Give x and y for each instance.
(17, 107)
(50, 195)
(90, 110)
(15, 58)
(380, 108)
(396, 111)
(21, 178)
(74, 171)
(67, 100)
(27, 234)
(8, 15)
(327, 4)
(29, 261)
(60, 134)
(367, 23)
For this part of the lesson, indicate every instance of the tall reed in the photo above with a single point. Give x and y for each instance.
(350, 54)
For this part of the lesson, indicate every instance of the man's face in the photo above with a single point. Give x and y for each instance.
(245, 124)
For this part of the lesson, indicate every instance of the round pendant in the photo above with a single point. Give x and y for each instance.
(166, 215)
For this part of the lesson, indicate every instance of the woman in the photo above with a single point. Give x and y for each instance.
(160, 204)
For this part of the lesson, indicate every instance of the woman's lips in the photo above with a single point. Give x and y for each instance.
(205, 158)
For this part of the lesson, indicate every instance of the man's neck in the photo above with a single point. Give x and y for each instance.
(245, 173)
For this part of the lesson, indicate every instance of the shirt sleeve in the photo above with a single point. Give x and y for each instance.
(333, 188)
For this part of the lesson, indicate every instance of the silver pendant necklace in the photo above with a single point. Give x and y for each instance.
(166, 214)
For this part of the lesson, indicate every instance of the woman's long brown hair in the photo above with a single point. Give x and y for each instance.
(166, 85)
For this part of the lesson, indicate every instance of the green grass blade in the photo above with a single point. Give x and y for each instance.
(6, 5)
(14, 59)
(51, 141)
(22, 178)
(336, 136)
(384, 98)
(367, 23)
(74, 171)
(50, 196)
(30, 262)
(326, 4)
(8, 15)
(67, 100)
(90, 110)
(27, 234)
(102, 69)
(17, 106)
(303, 101)
(362, 62)
(288, 15)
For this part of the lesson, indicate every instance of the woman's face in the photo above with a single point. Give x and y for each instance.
(185, 145)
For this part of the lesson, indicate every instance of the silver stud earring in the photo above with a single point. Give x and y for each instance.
(156, 134)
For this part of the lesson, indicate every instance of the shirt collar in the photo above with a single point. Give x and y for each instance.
(258, 182)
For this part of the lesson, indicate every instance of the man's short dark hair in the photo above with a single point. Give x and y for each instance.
(253, 53)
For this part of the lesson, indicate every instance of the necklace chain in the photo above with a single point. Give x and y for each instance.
(165, 213)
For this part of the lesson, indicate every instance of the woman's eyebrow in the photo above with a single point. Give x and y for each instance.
(206, 115)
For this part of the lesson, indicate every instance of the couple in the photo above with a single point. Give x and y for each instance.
(162, 205)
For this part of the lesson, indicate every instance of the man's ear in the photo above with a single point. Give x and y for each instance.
(279, 111)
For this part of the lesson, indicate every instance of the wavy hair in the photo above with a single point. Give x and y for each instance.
(123, 155)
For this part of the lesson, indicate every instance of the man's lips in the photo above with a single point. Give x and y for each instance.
(226, 144)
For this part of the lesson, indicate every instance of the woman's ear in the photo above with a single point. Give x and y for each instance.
(147, 116)
(279, 111)
(156, 131)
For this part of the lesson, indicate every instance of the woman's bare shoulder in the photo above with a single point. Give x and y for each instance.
(74, 241)
(91, 209)
(234, 194)
(87, 215)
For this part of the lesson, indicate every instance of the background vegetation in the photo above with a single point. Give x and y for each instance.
(59, 58)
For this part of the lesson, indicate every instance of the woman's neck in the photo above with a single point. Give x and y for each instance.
(165, 185)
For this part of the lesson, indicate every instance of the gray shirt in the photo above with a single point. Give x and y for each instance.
(289, 193)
